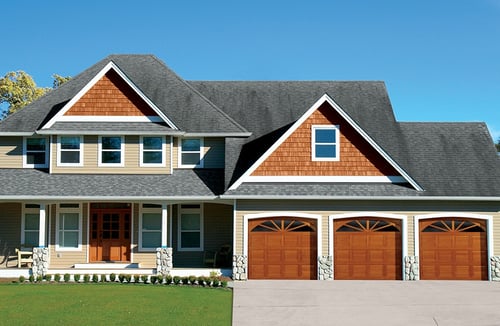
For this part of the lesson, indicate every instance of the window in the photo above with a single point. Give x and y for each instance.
(152, 151)
(191, 153)
(111, 151)
(68, 227)
(190, 228)
(35, 152)
(70, 151)
(150, 227)
(325, 143)
(30, 225)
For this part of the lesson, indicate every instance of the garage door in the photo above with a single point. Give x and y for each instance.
(282, 248)
(367, 248)
(453, 249)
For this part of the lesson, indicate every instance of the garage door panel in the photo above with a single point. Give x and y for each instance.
(290, 247)
(453, 249)
(373, 249)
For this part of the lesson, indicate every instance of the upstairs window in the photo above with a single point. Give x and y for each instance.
(152, 151)
(191, 155)
(35, 152)
(111, 151)
(325, 143)
(70, 151)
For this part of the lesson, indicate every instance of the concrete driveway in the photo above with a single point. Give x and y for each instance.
(366, 303)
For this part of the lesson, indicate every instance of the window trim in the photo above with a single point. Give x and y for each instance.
(60, 150)
(201, 152)
(143, 210)
(25, 153)
(29, 210)
(336, 143)
(179, 229)
(122, 152)
(60, 210)
(163, 152)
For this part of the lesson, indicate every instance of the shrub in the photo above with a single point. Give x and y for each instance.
(66, 277)
(76, 277)
(47, 277)
(128, 278)
(185, 280)
(86, 278)
(136, 278)
(144, 279)
(168, 279)
(177, 280)
(201, 280)
(95, 278)
(31, 278)
(223, 283)
(192, 279)
(57, 277)
(121, 278)
(39, 278)
(160, 278)
(103, 278)
(153, 279)
(22, 279)
(112, 277)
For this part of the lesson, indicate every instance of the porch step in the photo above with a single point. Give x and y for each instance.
(107, 266)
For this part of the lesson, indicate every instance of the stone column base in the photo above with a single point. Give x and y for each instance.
(164, 261)
(495, 268)
(325, 268)
(411, 268)
(40, 261)
(240, 266)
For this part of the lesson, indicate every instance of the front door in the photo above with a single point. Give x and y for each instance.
(110, 234)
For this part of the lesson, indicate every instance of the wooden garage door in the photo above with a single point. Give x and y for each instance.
(453, 249)
(282, 248)
(367, 248)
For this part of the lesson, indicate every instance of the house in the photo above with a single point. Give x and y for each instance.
(127, 166)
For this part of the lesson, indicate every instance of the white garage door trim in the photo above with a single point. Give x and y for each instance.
(489, 231)
(280, 214)
(404, 230)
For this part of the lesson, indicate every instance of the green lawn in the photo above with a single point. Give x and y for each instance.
(113, 304)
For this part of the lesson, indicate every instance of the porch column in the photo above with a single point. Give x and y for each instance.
(41, 227)
(164, 225)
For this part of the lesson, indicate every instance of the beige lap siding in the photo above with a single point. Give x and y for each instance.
(11, 152)
(327, 208)
(91, 157)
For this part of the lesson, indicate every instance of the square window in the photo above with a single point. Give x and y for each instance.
(153, 151)
(70, 150)
(191, 150)
(35, 152)
(111, 150)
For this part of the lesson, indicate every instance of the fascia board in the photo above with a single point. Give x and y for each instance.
(368, 198)
(108, 132)
(93, 81)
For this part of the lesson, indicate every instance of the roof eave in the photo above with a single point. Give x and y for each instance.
(370, 198)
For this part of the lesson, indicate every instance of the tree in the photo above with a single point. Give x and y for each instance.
(18, 89)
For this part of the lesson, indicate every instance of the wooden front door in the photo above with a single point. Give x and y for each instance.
(110, 234)
(367, 248)
(282, 248)
(453, 249)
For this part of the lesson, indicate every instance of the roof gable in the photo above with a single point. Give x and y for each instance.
(110, 96)
(377, 163)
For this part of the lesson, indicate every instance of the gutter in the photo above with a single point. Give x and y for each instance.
(371, 198)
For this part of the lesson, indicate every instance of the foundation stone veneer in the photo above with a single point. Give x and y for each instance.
(240, 264)
(164, 261)
(495, 268)
(325, 268)
(411, 268)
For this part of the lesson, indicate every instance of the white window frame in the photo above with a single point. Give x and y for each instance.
(60, 150)
(163, 152)
(146, 210)
(29, 210)
(337, 143)
(77, 210)
(122, 152)
(179, 225)
(25, 152)
(201, 152)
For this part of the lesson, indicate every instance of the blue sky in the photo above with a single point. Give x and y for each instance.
(440, 59)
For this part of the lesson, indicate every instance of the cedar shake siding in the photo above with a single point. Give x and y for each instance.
(293, 156)
(111, 96)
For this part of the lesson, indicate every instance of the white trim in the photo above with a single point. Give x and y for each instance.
(122, 152)
(316, 217)
(336, 128)
(300, 121)
(108, 118)
(404, 231)
(25, 151)
(80, 151)
(42, 241)
(60, 210)
(162, 149)
(164, 225)
(171, 226)
(202, 154)
(93, 81)
(17, 133)
(87, 252)
(326, 179)
(199, 210)
(217, 134)
(150, 210)
(28, 210)
(337, 198)
(234, 224)
(171, 162)
(489, 231)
